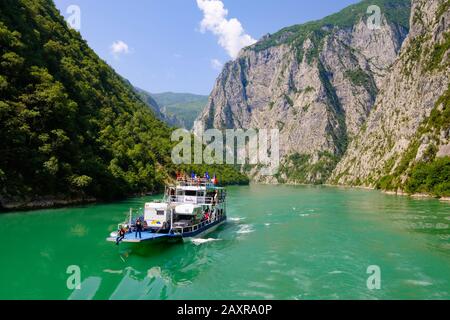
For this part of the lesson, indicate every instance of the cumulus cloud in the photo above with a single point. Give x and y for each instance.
(230, 32)
(216, 64)
(119, 47)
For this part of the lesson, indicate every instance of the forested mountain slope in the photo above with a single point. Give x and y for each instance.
(70, 127)
(184, 108)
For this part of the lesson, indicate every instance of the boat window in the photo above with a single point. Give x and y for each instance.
(190, 193)
(160, 212)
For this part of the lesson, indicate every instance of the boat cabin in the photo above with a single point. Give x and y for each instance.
(157, 214)
(196, 193)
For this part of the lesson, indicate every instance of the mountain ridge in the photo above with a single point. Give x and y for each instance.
(319, 83)
(182, 107)
(405, 146)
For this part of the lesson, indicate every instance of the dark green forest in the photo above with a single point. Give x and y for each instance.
(69, 125)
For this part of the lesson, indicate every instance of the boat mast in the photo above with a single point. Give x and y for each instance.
(131, 217)
(171, 220)
(171, 212)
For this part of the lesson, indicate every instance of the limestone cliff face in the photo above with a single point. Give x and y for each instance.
(316, 83)
(410, 121)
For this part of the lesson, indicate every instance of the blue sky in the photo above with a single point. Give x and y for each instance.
(161, 45)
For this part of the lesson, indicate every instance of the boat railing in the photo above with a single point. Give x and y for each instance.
(195, 227)
(195, 182)
(191, 199)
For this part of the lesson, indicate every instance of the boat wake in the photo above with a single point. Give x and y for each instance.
(245, 228)
(419, 283)
(235, 219)
(199, 242)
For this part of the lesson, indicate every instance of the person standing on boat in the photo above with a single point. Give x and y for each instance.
(138, 228)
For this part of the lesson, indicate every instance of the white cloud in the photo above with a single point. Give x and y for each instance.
(232, 36)
(216, 64)
(119, 47)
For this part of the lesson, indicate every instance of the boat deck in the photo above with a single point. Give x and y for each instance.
(146, 236)
(150, 237)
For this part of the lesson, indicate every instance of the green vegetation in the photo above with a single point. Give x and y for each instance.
(430, 59)
(440, 116)
(309, 89)
(341, 139)
(437, 54)
(300, 169)
(70, 126)
(289, 100)
(433, 177)
(430, 175)
(360, 78)
(184, 107)
(443, 8)
(154, 106)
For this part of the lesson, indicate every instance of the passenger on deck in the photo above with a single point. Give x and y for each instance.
(120, 235)
(216, 195)
(138, 228)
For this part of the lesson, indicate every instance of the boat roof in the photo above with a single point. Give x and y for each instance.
(156, 205)
(196, 188)
(188, 209)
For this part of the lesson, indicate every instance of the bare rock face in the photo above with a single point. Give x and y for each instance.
(409, 122)
(317, 85)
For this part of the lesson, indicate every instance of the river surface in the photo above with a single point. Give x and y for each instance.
(280, 242)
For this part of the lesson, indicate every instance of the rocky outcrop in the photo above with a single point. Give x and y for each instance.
(316, 83)
(410, 122)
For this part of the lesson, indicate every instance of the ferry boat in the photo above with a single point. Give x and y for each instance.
(190, 208)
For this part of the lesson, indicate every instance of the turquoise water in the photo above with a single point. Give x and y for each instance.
(280, 242)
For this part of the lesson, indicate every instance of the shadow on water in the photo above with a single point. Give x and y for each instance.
(146, 250)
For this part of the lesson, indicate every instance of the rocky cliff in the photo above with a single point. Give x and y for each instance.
(317, 83)
(405, 142)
